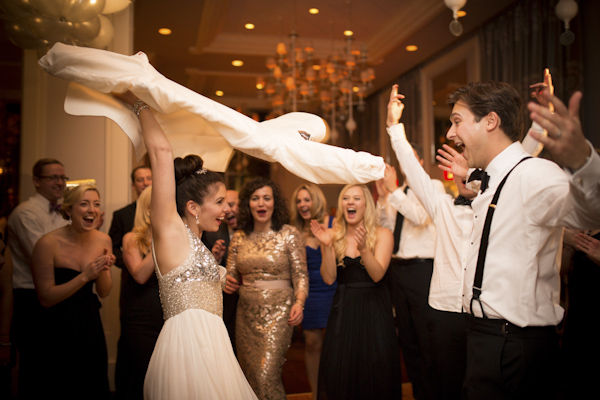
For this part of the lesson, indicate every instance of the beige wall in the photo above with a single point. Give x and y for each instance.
(89, 148)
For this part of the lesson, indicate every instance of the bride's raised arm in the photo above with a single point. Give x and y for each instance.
(167, 228)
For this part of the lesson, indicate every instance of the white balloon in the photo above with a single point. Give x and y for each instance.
(105, 35)
(113, 6)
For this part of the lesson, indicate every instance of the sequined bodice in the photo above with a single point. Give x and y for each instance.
(196, 284)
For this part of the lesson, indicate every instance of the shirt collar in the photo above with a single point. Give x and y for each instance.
(503, 162)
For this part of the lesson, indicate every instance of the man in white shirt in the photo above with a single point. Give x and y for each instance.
(28, 222)
(409, 275)
(454, 222)
(512, 343)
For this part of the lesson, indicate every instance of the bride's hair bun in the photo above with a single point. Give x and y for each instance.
(187, 166)
(193, 181)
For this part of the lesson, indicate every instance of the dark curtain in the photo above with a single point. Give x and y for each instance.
(522, 41)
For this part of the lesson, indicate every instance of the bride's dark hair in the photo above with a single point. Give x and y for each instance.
(193, 181)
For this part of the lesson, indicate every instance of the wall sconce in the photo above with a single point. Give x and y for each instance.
(455, 5)
(566, 10)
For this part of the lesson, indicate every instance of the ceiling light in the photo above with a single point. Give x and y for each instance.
(461, 13)
(249, 26)
(455, 5)
(219, 93)
(237, 63)
(164, 31)
(313, 11)
(348, 32)
(411, 47)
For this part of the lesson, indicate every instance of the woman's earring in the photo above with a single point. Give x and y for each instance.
(197, 220)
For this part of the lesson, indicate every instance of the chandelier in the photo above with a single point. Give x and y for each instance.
(329, 87)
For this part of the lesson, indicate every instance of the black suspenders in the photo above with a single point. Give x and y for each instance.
(484, 243)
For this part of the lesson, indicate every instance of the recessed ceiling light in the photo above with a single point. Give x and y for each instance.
(313, 10)
(348, 32)
(164, 31)
(411, 47)
(249, 26)
(219, 93)
(237, 63)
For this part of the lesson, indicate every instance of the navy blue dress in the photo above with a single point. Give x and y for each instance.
(360, 357)
(320, 294)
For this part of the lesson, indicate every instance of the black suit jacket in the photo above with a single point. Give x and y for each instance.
(121, 224)
(229, 300)
(210, 238)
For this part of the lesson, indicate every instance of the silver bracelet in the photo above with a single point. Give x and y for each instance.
(138, 106)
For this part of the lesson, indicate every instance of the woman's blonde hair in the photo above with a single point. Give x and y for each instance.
(142, 233)
(72, 196)
(318, 210)
(340, 242)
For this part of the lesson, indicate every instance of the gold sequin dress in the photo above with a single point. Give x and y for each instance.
(193, 358)
(272, 268)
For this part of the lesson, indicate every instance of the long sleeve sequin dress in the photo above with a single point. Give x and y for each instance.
(193, 358)
(272, 269)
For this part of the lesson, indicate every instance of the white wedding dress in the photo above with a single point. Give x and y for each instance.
(193, 358)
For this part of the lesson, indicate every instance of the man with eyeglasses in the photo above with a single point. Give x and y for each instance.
(29, 221)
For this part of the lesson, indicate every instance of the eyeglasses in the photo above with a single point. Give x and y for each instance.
(54, 178)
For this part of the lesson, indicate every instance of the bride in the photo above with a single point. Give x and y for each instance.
(193, 357)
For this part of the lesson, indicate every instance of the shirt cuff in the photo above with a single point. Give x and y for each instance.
(396, 131)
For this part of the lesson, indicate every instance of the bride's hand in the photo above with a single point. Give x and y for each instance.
(126, 97)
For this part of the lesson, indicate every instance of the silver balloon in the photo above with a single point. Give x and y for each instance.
(87, 30)
(51, 8)
(18, 8)
(52, 30)
(83, 10)
(18, 32)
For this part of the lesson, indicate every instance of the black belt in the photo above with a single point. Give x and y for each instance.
(501, 327)
(409, 261)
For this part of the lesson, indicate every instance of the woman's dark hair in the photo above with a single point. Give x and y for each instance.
(193, 182)
(281, 214)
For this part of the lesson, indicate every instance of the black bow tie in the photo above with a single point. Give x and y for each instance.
(480, 175)
(54, 207)
(462, 201)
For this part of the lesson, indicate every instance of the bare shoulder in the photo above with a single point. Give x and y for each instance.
(384, 234)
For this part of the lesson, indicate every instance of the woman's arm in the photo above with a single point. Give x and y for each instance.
(48, 292)
(169, 233)
(141, 268)
(299, 272)
(328, 261)
(376, 263)
(233, 278)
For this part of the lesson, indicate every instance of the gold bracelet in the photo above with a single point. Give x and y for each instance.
(300, 303)
(138, 106)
